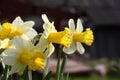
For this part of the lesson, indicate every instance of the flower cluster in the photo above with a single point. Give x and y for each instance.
(20, 52)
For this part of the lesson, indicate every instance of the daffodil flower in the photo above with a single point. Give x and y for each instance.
(79, 37)
(17, 28)
(50, 35)
(24, 54)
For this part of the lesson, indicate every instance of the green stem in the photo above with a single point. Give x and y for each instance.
(67, 78)
(58, 63)
(17, 77)
(62, 68)
(5, 72)
(47, 77)
(25, 75)
(10, 77)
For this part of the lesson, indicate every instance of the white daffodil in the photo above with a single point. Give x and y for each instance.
(78, 37)
(24, 54)
(17, 28)
(50, 35)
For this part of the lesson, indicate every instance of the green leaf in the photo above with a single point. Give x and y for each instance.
(10, 77)
(58, 63)
(5, 71)
(62, 68)
(19, 77)
(67, 78)
(25, 75)
(47, 77)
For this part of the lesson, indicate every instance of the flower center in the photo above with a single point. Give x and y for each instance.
(84, 37)
(62, 37)
(8, 31)
(35, 60)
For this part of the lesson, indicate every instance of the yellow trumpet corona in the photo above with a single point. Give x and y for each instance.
(62, 37)
(84, 37)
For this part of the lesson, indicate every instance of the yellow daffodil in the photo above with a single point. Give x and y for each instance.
(79, 37)
(50, 35)
(24, 54)
(17, 28)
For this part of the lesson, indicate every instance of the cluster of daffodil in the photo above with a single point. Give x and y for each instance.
(21, 52)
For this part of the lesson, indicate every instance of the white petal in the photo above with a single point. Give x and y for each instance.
(26, 29)
(19, 44)
(25, 44)
(14, 69)
(21, 69)
(71, 49)
(53, 27)
(71, 25)
(43, 43)
(45, 18)
(28, 24)
(17, 68)
(47, 27)
(25, 37)
(30, 34)
(80, 48)
(49, 50)
(11, 44)
(17, 22)
(10, 56)
(46, 30)
(28, 45)
(9, 52)
(79, 27)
